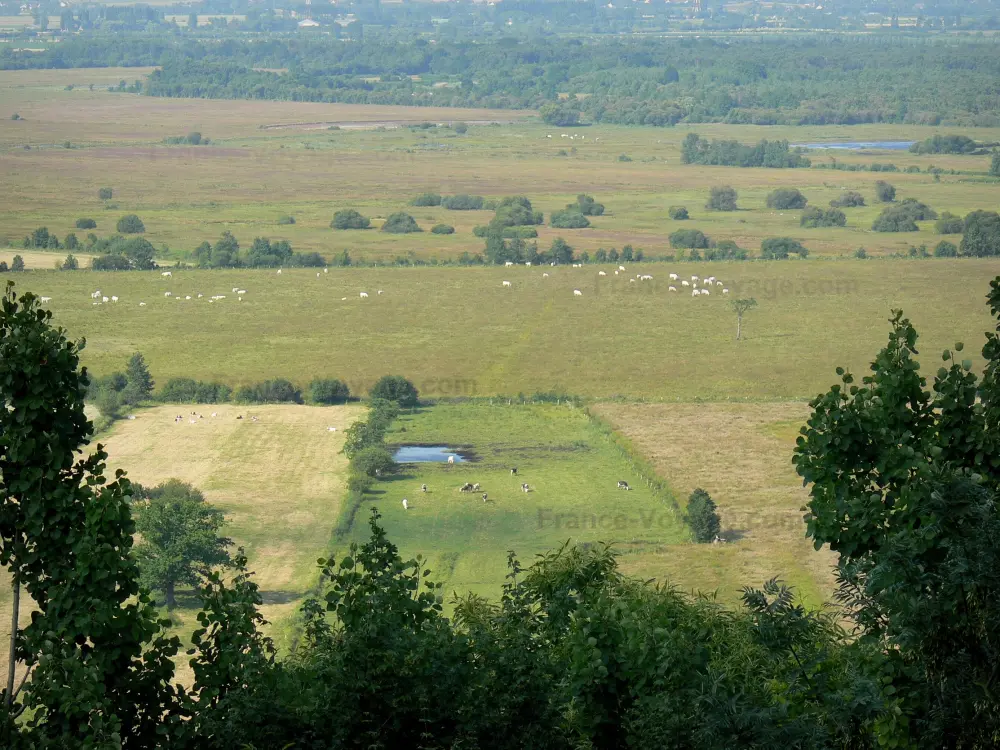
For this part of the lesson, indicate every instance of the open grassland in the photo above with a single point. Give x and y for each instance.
(271, 159)
(43, 259)
(572, 470)
(741, 454)
(458, 331)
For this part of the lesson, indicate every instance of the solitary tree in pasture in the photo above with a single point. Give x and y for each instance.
(995, 164)
(180, 537)
(139, 381)
(17, 264)
(701, 516)
(740, 306)
(722, 199)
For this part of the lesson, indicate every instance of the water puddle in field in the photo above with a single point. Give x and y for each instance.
(858, 145)
(418, 454)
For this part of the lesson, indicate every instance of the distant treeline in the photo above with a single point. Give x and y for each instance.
(801, 80)
(775, 154)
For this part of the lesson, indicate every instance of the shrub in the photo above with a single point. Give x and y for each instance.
(624, 158)
(86, 224)
(17, 264)
(779, 248)
(463, 202)
(586, 206)
(3, 266)
(426, 199)
(396, 388)
(278, 391)
(948, 223)
(523, 233)
(814, 217)
(348, 218)
(461, 128)
(111, 262)
(568, 219)
(722, 198)
(70, 264)
(981, 234)
(71, 242)
(945, 249)
(328, 391)
(284, 221)
(701, 516)
(919, 211)
(373, 461)
(903, 217)
(726, 250)
(105, 193)
(442, 229)
(130, 224)
(189, 391)
(884, 192)
(861, 253)
(688, 238)
(850, 199)
(359, 483)
(678, 213)
(786, 198)
(400, 223)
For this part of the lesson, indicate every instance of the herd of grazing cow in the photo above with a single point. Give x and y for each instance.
(709, 284)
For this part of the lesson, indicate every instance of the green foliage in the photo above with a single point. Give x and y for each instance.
(701, 517)
(726, 250)
(884, 192)
(400, 223)
(189, 391)
(41, 238)
(775, 154)
(328, 391)
(903, 484)
(586, 205)
(850, 199)
(277, 391)
(461, 128)
(678, 213)
(130, 224)
(624, 158)
(948, 223)
(284, 221)
(105, 193)
(740, 307)
(688, 238)
(442, 229)
(945, 144)
(861, 253)
(71, 242)
(786, 198)
(180, 537)
(568, 219)
(396, 388)
(348, 218)
(945, 249)
(70, 264)
(722, 198)
(426, 199)
(138, 382)
(123, 254)
(17, 264)
(903, 217)
(373, 461)
(778, 248)
(463, 202)
(86, 224)
(814, 217)
(995, 164)
(981, 235)
(560, 115)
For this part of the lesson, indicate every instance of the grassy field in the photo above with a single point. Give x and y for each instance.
(741, 454)
(280, 482)
(570, 467)
(270, 159)
(458, 331)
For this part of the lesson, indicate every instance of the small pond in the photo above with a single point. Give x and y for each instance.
(416, 454)
(858, 145)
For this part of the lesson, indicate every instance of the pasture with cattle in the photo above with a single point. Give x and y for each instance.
(561, 361)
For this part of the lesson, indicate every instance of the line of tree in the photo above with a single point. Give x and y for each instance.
(263, 253)
(775, 154)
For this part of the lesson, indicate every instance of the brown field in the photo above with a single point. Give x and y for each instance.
(44, 260)
(741, 455)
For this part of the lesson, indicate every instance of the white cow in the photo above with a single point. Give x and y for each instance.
(279, 272)
(200, 296)
(166, 273)
(242, 291)
(705, 291)
(188, 297)
(506, 283)
(545, 276)
(326, 270)
(577, 293)
(406, 505)
(673, 277)
(114, 299)
(379, 291)
(104, 299)
(695, 292)
(621, 268)
(167, 294)
(725, 291)
(686, 283)
(364, 295)
(96, 294)
(671, 289)
(451, 459)
(509, 263)
(528, 264)
(142, 304)
(718, 283)
(45, 299)
(601, 273)
(694, 278)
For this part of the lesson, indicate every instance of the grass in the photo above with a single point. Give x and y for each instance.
(458, 332)
(571, 468)
(269, 159)
(741, 454)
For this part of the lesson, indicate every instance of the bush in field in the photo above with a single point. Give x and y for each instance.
(786, 198)
(17, 264)
(945, 249)
(105, 193)
(948, 223)
(678, 213)
(779, 248)
(884, 192)
(328, 391)
(688, 238)
(903, 217)
(850, 199)
(400, 223)
(586, 205)
(348, 218)
(189, 391)
(814, 217)
(396, 388)
(702, 516)
(278, 391)
(130, 224)
(426, 199)
(86, 224)
(463, 202)
(569, 219)
(70, 264)
(373, 461)
(442, 229)
(722, 198)
(726, 250)
(284, 221)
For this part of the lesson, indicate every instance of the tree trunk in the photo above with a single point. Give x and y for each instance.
(169, 591)
(739, 326)
(12, 663)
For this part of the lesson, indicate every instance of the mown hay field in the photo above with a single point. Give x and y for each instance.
(267, 160)
(459, 332)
